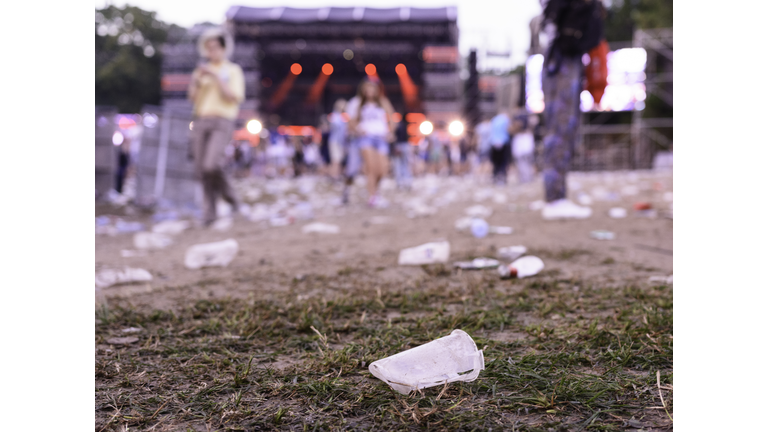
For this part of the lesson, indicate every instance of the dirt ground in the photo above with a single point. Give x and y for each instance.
(642, 247)
(589, 291)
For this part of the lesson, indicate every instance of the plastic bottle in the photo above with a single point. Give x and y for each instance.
(428, 253)
(522, 267)
(217, 254)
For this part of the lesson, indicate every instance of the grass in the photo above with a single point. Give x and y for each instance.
(560, 355)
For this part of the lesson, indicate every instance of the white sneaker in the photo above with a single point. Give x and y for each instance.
(565, 209)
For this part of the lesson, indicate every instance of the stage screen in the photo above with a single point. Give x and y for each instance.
(625, 90)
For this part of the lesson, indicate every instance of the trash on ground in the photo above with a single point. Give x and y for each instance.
(222, 224)
(477, 263)
(216, 254)
(650, 213)
(128, 227)
(171, 227)
(602, 235)
(584, 199)
(642, 206)
(617, 213)
(131, 330)
(278, 221)
(522, 267)
(478, 211)
(109, 277)
(536, 205)
(122, 340)
(130, 253)
(630, 190)
(512, 252)
(448, 359)
(428, 253)
(151, 240)
(320, 227)
(668, 196)
(661, 279)
(503, 230)
(479, 228)
(463, 224)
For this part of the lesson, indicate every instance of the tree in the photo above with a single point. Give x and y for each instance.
(128, 57)
(624, 16)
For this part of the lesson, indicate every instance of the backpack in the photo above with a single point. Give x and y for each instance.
(579, 25)
(597, 71)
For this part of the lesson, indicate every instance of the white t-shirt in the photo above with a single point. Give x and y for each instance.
(522, 144)
(373, 118)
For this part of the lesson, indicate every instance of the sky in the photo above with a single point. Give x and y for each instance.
(493, 25)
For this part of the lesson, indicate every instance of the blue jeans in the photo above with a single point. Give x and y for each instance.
(378, 144)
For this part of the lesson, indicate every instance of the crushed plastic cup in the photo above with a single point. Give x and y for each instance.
(171, 227)
(502, 230)
(428, 253)
(478, 211)
(617, 213)
(216, 254)
(602, 235)
(320, 227)
(222, 224)
(463, 224)
(477, 264)
(522, 267)
(448, 359)
(109, 277)
(479, 228)
(512, 252)
(151, 240)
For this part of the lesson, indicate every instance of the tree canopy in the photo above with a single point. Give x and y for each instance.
(128, 56)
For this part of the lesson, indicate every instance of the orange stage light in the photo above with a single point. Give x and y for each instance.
(400, 69)
(295, 68)
(327, 69)
(370, 69)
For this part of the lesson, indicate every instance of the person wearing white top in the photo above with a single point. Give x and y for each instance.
(523, 147)
(371, 126)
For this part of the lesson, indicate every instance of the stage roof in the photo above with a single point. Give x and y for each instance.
(246, 14)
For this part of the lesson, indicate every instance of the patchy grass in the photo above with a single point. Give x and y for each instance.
(560, 355)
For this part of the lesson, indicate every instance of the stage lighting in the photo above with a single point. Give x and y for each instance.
(400, 69)
(327, 69)
(426, 127)
(254, 126)
(456, 128)
(370, 69)
(117, 138)
(295, 68)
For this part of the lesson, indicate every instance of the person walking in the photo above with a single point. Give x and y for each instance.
(216, 90)
(337, 137)
(371, 124)
(500, 153)
(523, 146)
(579, 28)
(403, 154)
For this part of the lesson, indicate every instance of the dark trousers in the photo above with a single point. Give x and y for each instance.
(500, 157)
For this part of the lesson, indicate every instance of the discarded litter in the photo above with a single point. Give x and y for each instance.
(512, 252)
(503, 230)
(602, 235)
(584, 199)
(463, 224)
(536, 205)
(650, 213)
(109, 277)
(522, 267)
(171, 227)
(661, 279)
(381, 220)
(222, 224)
(217, 254)
(129, 253)
(478, 211)
(122, 340)
(642, 206)
(477, 263)
(479, 228)
(151, 240)
(617, 213)
(278, 221)
(131, 330)
(128, 227)
(320, 227)
(448, 359)
(428, 253)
